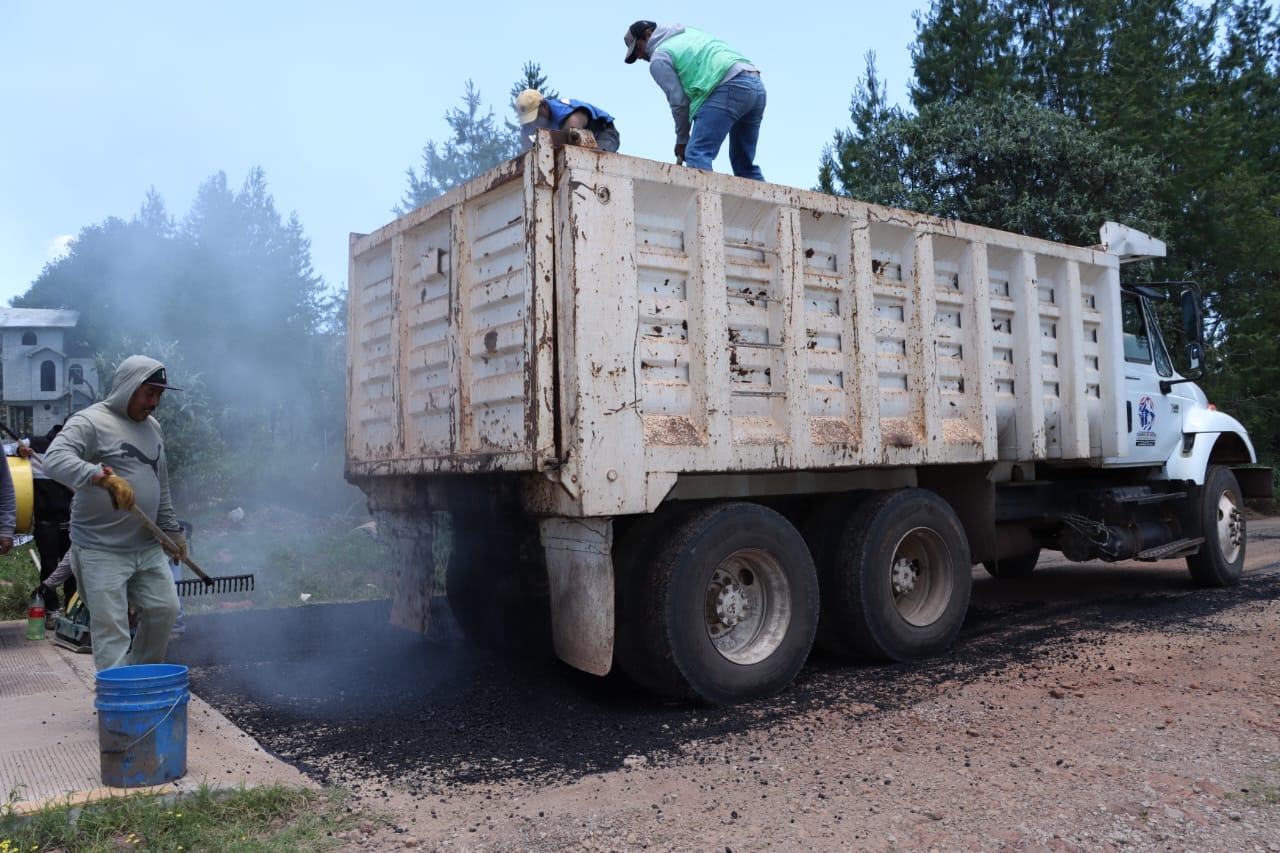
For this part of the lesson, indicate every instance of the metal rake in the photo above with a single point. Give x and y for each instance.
(214, 585)
(204, 583)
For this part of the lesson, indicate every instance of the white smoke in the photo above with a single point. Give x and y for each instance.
(58, 247)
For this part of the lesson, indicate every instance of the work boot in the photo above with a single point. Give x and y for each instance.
(51, 619)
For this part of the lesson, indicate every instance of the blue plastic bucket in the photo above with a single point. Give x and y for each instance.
(142, 724)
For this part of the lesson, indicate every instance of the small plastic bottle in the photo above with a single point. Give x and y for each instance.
(35, 618)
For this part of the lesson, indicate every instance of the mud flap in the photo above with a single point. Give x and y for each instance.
(1255, 483)
(415, 568)
(580, 572)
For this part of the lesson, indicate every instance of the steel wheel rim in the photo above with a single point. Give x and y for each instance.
(920, 577)
(1230, 527)
(748, 606)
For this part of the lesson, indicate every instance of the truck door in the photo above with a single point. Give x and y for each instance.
(1154, 420)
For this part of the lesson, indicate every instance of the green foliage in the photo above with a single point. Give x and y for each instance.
(18, 577)
(965, 48)
(335, 556)
(229, 300)
(478, 144)
(1257, 791)
(1000, 161)
(531, 77)
(194, 449)
(1049, 117)
(306, 479)
(863, 161)
(295, 559)
(265, 818)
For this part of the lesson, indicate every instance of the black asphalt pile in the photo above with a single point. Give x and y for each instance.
(352, 701)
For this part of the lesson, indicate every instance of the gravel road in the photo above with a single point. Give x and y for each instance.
(1088, 707)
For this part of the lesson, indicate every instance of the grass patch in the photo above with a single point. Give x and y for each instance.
(269, 818)
(335, 557)
(18, 576)
(338, 557)
(1259, 793)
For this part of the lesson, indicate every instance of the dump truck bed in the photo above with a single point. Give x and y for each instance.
(606, 324)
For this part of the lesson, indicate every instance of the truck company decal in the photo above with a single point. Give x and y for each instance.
(1146, 421)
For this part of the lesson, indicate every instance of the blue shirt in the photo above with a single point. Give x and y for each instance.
(564, 107)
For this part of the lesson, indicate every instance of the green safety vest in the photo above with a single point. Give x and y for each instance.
(701, 61)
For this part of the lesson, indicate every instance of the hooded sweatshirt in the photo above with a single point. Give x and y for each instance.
(104, 434)
(688, 69)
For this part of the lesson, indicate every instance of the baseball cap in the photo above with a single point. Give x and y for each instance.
(161, 380)
(633, 36)
(527, 103)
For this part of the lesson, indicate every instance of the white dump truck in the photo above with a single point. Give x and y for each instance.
(705, 422)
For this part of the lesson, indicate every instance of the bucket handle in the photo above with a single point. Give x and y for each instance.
(140, 738)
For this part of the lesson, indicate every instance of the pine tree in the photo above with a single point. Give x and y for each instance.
(965, 48)
(1178, 99)
(866, 161)
(477, 145)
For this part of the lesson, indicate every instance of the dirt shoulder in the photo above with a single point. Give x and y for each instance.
(1063, 721)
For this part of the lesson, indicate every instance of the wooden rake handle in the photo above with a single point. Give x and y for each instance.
(169, 543)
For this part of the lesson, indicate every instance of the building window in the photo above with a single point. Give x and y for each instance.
(18, 418)
(75, 374)
(28, 339)
(48, 376)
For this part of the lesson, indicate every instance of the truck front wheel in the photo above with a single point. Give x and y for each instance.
(896, 585)
(727, 605)
(1221, 522)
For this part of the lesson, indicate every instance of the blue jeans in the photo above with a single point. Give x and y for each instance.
(733, 109)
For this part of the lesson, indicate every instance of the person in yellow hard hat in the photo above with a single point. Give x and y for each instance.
(534, 111)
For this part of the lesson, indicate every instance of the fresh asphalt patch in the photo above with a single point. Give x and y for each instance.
(350, 700)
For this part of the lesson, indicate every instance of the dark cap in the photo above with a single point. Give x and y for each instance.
(633, 36)
(160, 380)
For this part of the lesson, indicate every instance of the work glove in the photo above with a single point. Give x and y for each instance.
(175, 554)
(40, 592)
(119, 489)
(680, 153)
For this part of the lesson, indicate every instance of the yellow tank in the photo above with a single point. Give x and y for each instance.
(20, 470)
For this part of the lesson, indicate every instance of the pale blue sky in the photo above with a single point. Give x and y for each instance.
(101, 101)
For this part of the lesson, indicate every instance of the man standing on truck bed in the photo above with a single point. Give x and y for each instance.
(117, 446)
(709, 85)
(534, 111)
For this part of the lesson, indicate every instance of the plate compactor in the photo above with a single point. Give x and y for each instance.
(71, 631)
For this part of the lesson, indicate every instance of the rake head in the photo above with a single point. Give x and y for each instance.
(214, 586)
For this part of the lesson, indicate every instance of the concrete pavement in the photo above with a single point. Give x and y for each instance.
(49, 751)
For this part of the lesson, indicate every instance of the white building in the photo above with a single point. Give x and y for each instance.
(39, 384)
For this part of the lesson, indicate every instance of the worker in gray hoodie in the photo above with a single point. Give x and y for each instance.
(116, 446)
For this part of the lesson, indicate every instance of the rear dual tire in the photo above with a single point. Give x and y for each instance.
(718, 603)
(895, 579)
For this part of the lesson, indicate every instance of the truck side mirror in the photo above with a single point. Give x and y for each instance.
(1193, 330)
